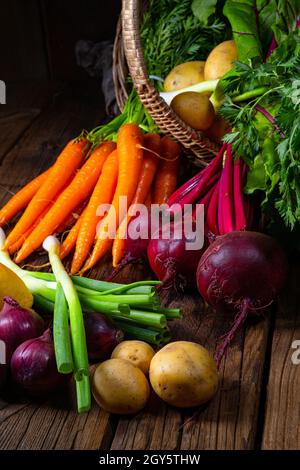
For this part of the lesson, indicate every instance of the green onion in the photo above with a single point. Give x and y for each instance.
(80, 356)
(140, 287)
(109, 308)
(151, 319)
(61, 336)
(83, 394)
(170, 313)
(43, 304)
(143, 334)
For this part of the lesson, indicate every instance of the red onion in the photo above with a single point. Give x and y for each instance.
(18, 324)
(244, 271)
(102, 336)
(33, 366)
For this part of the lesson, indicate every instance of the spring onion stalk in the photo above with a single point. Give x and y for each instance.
(151, 320)
(143, 334)
(108, 308)
(61, 335)
(42, 304)
(144, 300)
(83, 394)
(171, 313)
(201, 87)
(140, 287)
(80, 355)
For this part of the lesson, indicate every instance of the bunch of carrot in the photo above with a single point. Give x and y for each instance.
(83, 179)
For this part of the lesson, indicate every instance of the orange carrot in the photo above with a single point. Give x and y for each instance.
(102, 194)
(72, 218)
(130, 157)
(68, 161)
(78, 190)
(70, 241)
(167, 173)
(17, 245)
(22, 198)
(149, 166)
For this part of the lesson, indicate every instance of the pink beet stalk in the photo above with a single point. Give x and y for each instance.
(240, 217)
(212, 211)
(209, 176)
(181, 192)
(225, 214)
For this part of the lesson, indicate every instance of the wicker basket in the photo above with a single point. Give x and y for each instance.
(128, 47)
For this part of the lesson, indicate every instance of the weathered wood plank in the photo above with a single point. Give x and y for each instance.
(282, 419)
(229, 421)
(24, 103)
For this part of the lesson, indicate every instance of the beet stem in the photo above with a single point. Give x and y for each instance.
(231, 334)
(239, 203)
(225, 215)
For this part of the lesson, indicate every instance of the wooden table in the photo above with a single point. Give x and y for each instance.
(257, 406)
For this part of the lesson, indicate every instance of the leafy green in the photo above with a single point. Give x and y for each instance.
(242, 17)
(266, 128)
(277, 17)
(203, 9)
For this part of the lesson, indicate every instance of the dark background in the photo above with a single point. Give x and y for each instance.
(37, 37)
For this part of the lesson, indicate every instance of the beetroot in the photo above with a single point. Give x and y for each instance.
(244, 271)
(171, 261)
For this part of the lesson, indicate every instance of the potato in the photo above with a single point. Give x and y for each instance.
(119, 387)
(184, 374)
(184, 75)
(138, 353)
(220, 60)
(194, 109)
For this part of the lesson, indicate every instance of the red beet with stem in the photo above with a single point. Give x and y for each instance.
(244, 271)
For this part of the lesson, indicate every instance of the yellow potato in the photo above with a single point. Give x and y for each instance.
(11, 285)
(184, 374)
(137, 352)
(184, 75)
(195, 109)
(220, 60)
(119, 387)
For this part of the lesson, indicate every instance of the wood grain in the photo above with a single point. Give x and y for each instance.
(282, 421)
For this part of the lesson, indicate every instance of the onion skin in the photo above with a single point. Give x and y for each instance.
(33, 366)
(242, 265)
(102, 336)
(18, 324)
